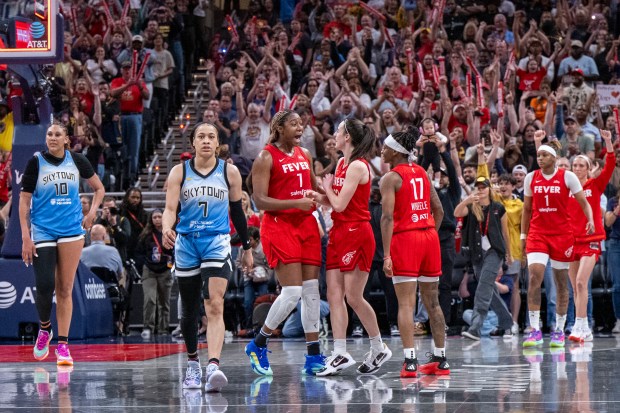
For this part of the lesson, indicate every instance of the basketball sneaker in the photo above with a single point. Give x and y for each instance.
(557, 339)
(436, 365)
(409, 369)
(534, 338)
(314, 364)
(42, 346)
(216, 379)
(374, 360)
(335, 364)
(193, 376)
(63, 357)
(258, 359)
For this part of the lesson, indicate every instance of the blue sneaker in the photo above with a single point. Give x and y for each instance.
(258, 359)
(314, 364)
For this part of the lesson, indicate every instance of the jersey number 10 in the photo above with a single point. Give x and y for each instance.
(61, 189)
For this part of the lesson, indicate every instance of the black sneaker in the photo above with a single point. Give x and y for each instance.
(374, 360)
(435, 365)
(410, 369)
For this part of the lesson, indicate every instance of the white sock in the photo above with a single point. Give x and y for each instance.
(409, 353)
(340, 345)
(582, 322)
(376, 344)
(439, 352)
(535, 320)
(560, 322)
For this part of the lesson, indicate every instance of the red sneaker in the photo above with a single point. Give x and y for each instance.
(435, 365)
(410, 369)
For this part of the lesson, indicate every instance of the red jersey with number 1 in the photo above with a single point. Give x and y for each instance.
(592, 189)
(290, 178)
(412, 204)
(357, 209)
(550, 204)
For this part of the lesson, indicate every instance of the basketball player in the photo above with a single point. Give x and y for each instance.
(282, 178)
(50, 190)
(351, 247)
(546, 227)
(587, 247)
(412, 214)
(205, 187)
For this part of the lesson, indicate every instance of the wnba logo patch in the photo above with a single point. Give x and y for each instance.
(346, 259)
(569, 252)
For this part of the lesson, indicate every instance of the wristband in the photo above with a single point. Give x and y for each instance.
(246, 245)
(523, 236)
(389, 257)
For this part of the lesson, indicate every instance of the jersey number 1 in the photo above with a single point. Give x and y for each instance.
(205, 207)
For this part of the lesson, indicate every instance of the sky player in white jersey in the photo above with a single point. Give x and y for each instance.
(206, 187)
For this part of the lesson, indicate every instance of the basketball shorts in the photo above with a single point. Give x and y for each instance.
(45, 237)
(416, 253)
(291, 239)
(200, 252)
(587, 249)
(559, 247)
(351, 245)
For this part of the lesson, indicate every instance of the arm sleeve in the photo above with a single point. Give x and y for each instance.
(241, 226)
(83, 165)
(527, 184)
(572, 182)
(31, 174)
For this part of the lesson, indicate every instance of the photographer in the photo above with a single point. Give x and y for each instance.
(117, 227)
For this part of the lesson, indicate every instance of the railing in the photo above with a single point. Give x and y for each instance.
(198, 98)
(164, 142)
(169, 158)
(153, 166)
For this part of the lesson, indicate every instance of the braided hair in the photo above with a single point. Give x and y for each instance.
(407, 138)
(278, 120)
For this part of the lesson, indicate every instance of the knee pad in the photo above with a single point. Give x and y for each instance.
(310, 306)
(282, 306)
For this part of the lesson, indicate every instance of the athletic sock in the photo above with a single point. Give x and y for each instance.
(46, 326)
(409, 353)
(261, 339)
(340, 345)
(535, 319)
(214, 361)
(63, 340)
(193, 357)
(560, 322)
(439, 351)
(376, 343)
(314, 348)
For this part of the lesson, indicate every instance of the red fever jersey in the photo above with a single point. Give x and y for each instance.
(290, 178)
(592, 189)
(357, 210)
(412, 203)
(550, 204)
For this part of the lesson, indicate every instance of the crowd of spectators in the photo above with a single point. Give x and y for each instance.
(483, 78)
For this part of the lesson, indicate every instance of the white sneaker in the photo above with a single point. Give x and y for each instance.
(616, 329)
(374, 360)
(394, 331)
(586, 334)
(177, 331)
(357, 331)
(146, 334)
(335, 364)
(216, 379)
(515, 328)
(193, 376)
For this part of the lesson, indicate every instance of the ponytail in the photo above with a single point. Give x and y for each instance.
(362, 139)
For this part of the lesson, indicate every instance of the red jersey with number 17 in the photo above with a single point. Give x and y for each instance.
(412, 204)
(290, 178)
(357, 209)
(550, 204)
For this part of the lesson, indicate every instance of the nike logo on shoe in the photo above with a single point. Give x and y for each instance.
(379, 359)
(338, 361)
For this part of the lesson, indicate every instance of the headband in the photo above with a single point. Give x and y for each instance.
(548, 149)
(391, 143)
(586, 159)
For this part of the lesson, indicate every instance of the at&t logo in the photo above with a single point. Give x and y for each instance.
(8, 294)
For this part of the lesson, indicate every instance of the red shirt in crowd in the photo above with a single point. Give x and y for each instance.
(131, 99)
(531, 81)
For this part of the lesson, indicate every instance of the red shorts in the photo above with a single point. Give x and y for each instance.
(416, 253)
(291, 239)
(587, 249)
(351, 244)
(559, 247)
